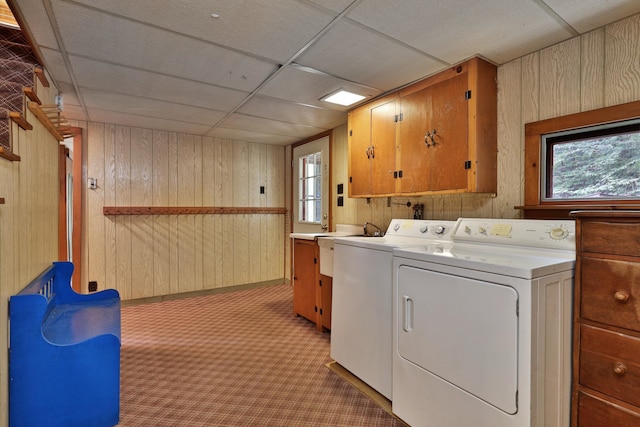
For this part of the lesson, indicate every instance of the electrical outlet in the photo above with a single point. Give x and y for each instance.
(93, 286)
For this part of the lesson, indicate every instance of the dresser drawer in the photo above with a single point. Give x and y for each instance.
(606, 237)
(594, 412)
(610, 292)
(610, 363)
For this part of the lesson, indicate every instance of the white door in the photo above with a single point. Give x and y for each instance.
(311, 187)
(464, 331)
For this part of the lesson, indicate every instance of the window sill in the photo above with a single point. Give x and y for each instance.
(563, 211)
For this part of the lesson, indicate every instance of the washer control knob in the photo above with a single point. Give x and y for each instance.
(482, 230)
(439, 229)
(558, 233)
(423, 229)
(467, 229)
(396, 227)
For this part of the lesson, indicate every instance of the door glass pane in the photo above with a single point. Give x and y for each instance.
(310, 188)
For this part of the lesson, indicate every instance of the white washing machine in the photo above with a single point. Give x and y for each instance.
(482, 327)
(361, 315)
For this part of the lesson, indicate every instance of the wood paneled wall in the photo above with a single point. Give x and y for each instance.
(28, 220)
(152, 255)
(595, 70)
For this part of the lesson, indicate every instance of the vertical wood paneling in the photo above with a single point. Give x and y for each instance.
(186, 223)
(96, 267)
(510, 134)
(528, 94)
(141, 181)
(161, 243)
(622, 61)
(198, 220)
(110, 199)
(174, 271)
(123, 223)
(592, 74)
(209, 159)
(560, 79)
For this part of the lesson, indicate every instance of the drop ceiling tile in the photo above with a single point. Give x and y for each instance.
(116, 40)
(274, 29)
(37, 22)
(118, 79)
(269, 126)
(276, 109)
(499, 30)
(145, 107)
(586, 15)
(249, 136)
(351, 52)
(124, 119)
(55, 65)
(294, 84)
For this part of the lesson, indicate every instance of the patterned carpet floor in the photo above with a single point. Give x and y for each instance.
(233, 359)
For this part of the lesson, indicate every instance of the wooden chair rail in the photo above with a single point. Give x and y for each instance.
(188, 210)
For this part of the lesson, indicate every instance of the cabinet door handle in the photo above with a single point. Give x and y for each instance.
(621, 296)
(619, 368)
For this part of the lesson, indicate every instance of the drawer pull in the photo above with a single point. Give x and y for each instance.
(621, 296)
(619, 368)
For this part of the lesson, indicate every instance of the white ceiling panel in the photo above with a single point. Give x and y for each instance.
(130, 81)
(256, 72)
(276, 109)
(307, 87)
(273, 29)
(249, 136)
(586, 15)
(141, 46)
(458, 29)
(351, 52)
(124, 119)
(146, 107)
(267, 126)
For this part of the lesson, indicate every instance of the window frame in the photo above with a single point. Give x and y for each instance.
(534, 205)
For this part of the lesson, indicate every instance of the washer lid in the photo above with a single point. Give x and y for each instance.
(525, 263)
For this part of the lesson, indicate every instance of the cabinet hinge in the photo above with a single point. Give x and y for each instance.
(398, 117)
(320, 312)
(315, 260)
(467, 95)
(350, 132)
(315, 308)
(467, 164)
(320, 283)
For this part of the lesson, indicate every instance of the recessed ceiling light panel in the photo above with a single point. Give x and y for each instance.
(343, 97)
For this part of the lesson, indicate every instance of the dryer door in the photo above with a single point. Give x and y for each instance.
(462, 330)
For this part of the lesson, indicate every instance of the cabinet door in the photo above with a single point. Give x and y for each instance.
(383, 148)
(359, 142)
(448, 112)
(414, 153)
(304, 278)
(325, 298)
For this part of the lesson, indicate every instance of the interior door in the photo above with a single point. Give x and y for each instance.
(462, 330)
(311, 192)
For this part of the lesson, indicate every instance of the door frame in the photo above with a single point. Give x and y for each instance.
(293, 180)
(76, 232)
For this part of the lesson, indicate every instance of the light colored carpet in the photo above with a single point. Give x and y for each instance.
(234, 359)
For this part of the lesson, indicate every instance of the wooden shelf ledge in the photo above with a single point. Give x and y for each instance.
(189, 210)
(9, 155)
(31, 94)
(49, 116)
(39, 72)
(19, 119)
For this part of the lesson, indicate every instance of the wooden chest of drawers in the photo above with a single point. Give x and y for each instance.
(606, 351)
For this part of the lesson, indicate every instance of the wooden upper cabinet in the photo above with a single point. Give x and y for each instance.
(444, 133)
(372, 148)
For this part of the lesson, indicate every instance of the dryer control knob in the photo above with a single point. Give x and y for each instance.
(558, 233)
(423, 229)
(439, 229)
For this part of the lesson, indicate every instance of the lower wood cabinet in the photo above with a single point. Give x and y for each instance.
(606, 345)
(311, 290)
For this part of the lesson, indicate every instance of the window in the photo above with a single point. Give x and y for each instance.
(310, 190)
(595, 163)
(586, 160)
